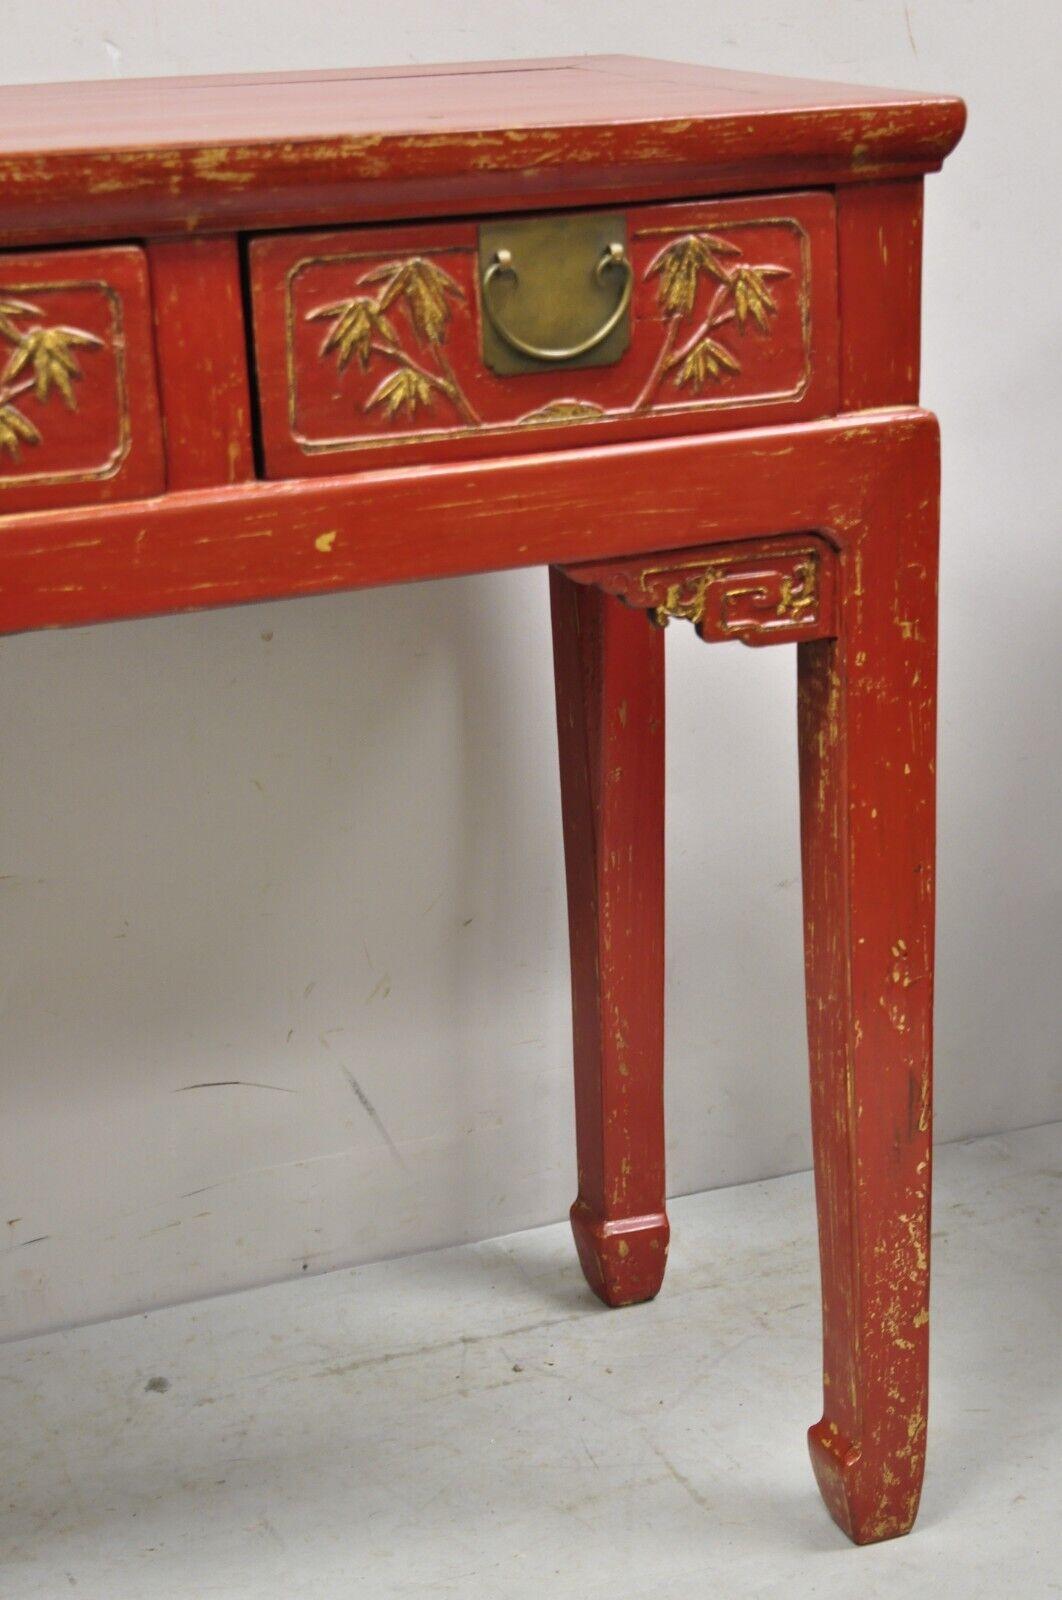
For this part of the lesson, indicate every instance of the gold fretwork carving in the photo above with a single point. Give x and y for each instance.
(724, 585)
(760, 592)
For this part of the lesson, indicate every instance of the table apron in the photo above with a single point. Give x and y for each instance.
(265, 541)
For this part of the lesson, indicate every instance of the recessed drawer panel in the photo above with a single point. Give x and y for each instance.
(79, 411)
(374, 345)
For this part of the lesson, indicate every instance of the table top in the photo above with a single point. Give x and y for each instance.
(199, 153)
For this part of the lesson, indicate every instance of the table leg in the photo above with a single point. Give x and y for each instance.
(609, 672)
(867, 740)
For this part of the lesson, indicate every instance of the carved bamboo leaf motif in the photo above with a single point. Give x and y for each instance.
(42, 360)
(705, 359)
(681, 265)
(425, 290)
(16, 430)
(752, 296)
(362, 331)
(403, 390)
(48, 353)
(356, 324)
(10, 310)
(741, 292)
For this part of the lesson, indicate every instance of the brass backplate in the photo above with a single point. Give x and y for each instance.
(556, 298)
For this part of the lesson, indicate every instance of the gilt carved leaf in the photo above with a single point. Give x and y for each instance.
(565, 411)
(424, 289)
(701, 278)
(705, 359)
(16, 430)
(752, 296)
(42, 360)
(681, 265)
(403, 390)
(48, 353)
(356, 325)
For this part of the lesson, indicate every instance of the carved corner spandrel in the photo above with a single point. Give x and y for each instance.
(767, 591)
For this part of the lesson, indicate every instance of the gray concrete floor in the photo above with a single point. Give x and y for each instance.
(470, 1423)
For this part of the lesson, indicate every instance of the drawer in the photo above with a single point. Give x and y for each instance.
(373, 347)
(79, 409)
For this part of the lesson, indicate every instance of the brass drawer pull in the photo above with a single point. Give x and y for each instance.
(613, 258)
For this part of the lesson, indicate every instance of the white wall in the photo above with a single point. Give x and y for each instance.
(317, 845)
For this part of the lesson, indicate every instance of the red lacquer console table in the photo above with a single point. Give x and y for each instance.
(653, 326)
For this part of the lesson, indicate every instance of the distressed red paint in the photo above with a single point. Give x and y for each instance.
(319, 417)
(809, 517)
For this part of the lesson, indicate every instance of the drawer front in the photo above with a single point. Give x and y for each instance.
(79, 410)
(370, 342)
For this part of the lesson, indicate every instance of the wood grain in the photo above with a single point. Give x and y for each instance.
(867, 751)
(201, 340)
(78, 360)
(609, 674)
(759, 591)
(879, 238)
(320, 417)
(810, 515)
(213, 547)
(175, 155)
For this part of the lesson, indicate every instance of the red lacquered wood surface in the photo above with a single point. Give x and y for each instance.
(788, 524)
(176, 155)
(867, 750)
(79, 411)
(879, 236)
(764, 591)
(262, 541)
(847, 479)
(867, 719)
(328, 405)
(202, 354)
(609, 671)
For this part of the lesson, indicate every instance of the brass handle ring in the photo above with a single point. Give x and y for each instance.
(502, 266)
